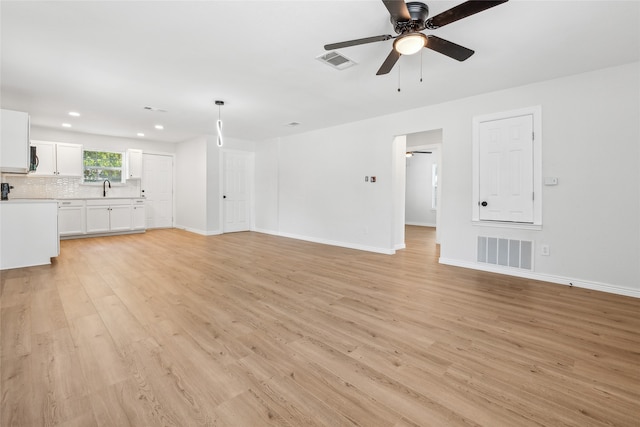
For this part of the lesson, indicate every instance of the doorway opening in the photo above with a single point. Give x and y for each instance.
(422, 179)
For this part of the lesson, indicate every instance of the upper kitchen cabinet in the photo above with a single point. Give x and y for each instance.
(58, 159)
(14, 145)
(134, 164)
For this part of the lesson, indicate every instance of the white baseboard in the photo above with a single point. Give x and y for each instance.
(265, 231)
(329, 242)
(567, 281)
(421, 224)
(198, 231)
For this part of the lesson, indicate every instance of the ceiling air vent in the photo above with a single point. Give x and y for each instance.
(336, 60)
(159, 110)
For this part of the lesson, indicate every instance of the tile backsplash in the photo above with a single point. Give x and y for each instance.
(53, 187)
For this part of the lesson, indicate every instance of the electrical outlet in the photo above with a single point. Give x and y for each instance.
(544, 250)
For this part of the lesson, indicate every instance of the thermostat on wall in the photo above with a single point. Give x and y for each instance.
(550, 180)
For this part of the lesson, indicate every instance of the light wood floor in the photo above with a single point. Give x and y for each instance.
(246, 329)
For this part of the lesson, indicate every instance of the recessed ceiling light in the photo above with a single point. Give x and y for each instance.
(159, 127)
(74, 114)
(66, 125)
(140, 134)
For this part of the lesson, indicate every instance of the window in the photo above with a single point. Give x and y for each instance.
(101, 165)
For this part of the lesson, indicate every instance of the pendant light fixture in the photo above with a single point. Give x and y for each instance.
(219, 124)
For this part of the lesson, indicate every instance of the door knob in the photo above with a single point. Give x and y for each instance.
(484, 203)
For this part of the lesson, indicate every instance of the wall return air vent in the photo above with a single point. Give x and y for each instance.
(336, 60)
(505, 252)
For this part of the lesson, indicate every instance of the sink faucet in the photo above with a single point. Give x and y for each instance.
(104, 187)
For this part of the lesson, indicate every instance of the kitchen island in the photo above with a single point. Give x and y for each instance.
(28, 232)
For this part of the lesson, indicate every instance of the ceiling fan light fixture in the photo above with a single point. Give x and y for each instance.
(409, 44)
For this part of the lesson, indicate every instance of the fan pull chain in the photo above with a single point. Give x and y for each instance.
(421, 65)
(398, 76)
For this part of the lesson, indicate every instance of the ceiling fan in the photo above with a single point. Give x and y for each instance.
(411, 153)
(408, 19)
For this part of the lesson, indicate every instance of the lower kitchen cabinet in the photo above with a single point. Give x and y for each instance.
(83, 218)
(28, 233)
(104, 216)
(120, 217)
(138, 215)
(71, 217)
(98, 219)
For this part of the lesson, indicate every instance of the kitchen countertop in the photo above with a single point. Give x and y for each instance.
(15, 201)
(74, 198)
(100, 198)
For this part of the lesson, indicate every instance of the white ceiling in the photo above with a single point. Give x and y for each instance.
(108, 60)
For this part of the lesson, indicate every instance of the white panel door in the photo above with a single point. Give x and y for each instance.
(236, 195)
(157, 189)
(506, 169)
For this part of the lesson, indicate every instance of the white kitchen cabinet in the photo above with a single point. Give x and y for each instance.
(134, 164)
(120, 217)
(71, 217)
(69, 159)
(58, 159)
(138, 214)
(46, 158)
(105, 216)
(98, 219)
(28, 233)
(14, 142)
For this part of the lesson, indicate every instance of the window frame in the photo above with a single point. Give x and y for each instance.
(122, 167)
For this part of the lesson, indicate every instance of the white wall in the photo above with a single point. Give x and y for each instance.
(198, 182)
(398, 203)
(429, 137)
(100, 142)
(322, 193)
(419, 190)
(590, 142)
(31, 186)
(191, 185)
(267, 186)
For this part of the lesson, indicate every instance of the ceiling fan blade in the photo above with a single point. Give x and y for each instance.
(356, 42)
(448, 48)
(460, 11)
(397, 9)
(388, 63)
